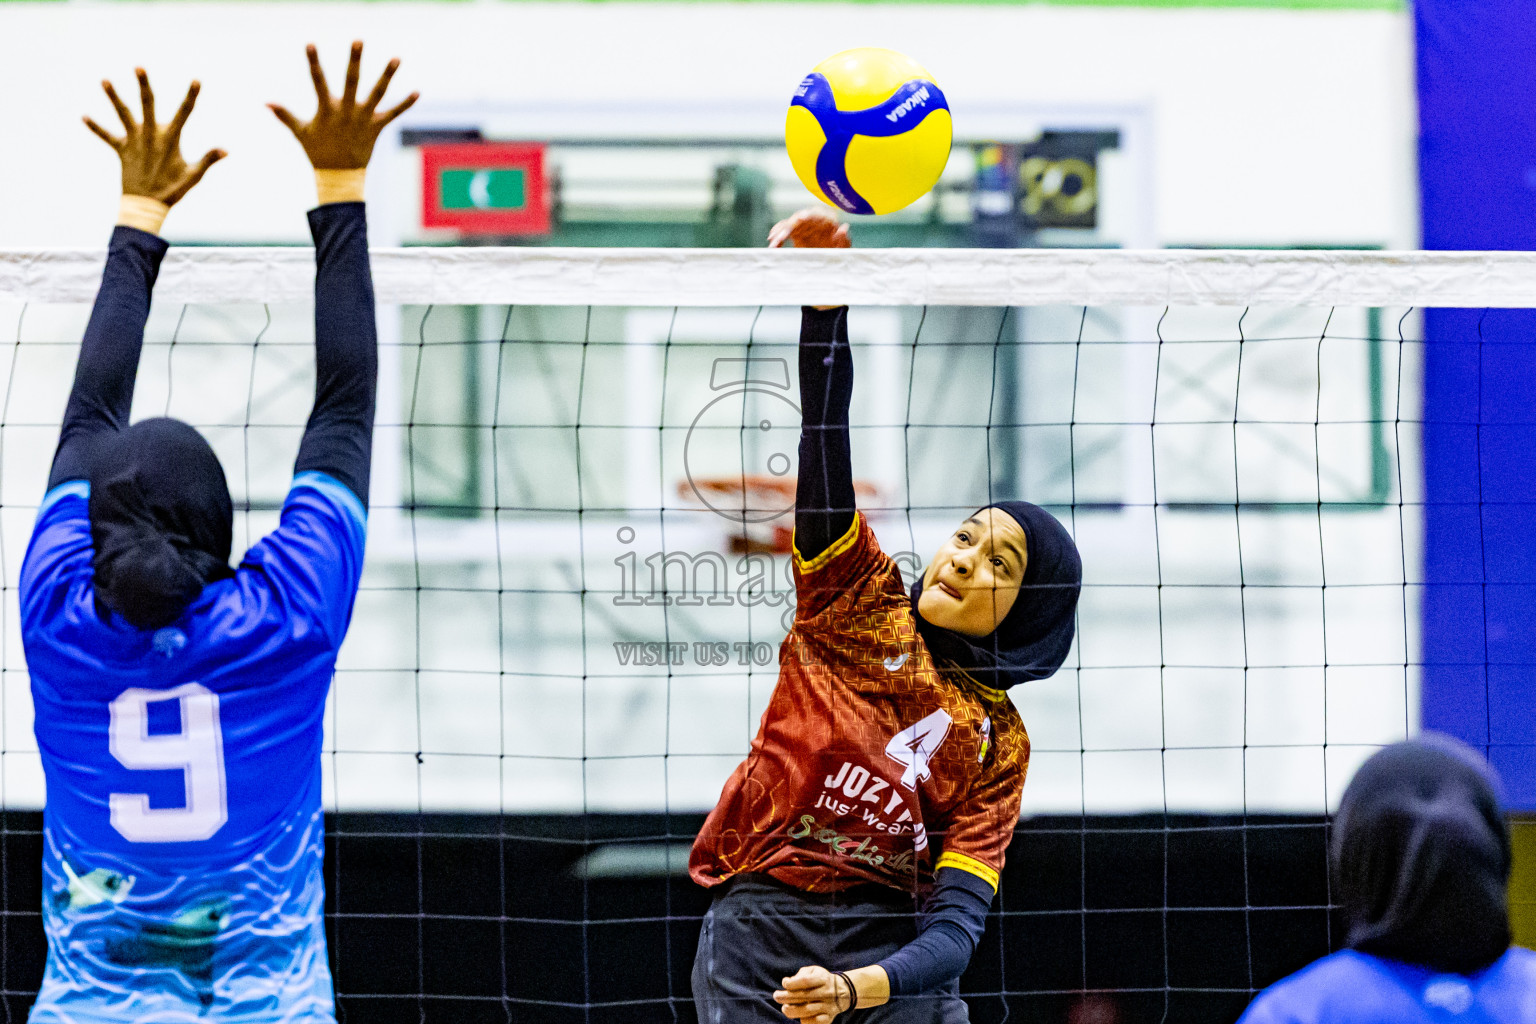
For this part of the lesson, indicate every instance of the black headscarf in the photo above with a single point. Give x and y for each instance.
(1421, 857)
(161, 520)
(1033, 639)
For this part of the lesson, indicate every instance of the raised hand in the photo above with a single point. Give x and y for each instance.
(151, 153)
(341, 135)
(814, 228)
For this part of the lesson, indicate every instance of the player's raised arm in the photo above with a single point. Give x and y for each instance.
(824, 499)
(155, 177)
(876, 675)
(339, 141)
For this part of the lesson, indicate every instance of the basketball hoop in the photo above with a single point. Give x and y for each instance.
(759, 509)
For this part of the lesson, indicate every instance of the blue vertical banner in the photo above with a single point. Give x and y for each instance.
(1477, 172)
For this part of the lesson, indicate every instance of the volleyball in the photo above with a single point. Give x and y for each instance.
(868, 131)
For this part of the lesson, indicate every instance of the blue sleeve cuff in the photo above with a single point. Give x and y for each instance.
(153, 245)
(975, 884)
(337, 492)
(323, 219)
(68, 489)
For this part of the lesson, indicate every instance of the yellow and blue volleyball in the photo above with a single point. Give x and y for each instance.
(868, 131)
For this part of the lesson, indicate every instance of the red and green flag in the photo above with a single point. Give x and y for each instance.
(493, 188)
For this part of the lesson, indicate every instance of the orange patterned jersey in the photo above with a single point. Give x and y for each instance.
(870, 765)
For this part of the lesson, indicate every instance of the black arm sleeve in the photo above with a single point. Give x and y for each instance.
(338, 440)
(824, 502)
(102, 394)
(951, 926)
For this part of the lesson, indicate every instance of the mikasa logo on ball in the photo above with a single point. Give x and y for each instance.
(917, 99)
(837, 193)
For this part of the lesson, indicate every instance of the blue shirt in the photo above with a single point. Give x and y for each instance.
(183, 833)
(1356, 988)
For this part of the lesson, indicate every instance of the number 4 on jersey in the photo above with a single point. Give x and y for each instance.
(915, 746)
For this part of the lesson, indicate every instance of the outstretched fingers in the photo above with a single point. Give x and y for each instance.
(150, 153)
(284, 115)
(194, 175)
(103, 134)
(146, 98)
(354, 72)
(382, 85)
(173, 131)
(123, 113)
(344, 129)
(317, 75)
(399, 108)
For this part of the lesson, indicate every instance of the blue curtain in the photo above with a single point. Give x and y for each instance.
(1477, 172)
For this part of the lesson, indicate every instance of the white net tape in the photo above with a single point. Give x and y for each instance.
(870, 277)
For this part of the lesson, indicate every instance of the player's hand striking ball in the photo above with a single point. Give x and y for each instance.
(151, 153)
(968, 586)
(810, 229)
(341, 135)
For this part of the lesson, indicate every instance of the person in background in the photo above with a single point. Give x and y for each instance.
(1421, 861)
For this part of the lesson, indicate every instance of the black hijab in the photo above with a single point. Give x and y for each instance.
(161, 521)
(1421, 857)
(1033, 639)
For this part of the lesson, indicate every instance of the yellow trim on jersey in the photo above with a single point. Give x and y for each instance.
(840, 545)
(970, 864)
(988, 692)
(962, 676)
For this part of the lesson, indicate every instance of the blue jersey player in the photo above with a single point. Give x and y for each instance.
(1421, 859)
(179, 701)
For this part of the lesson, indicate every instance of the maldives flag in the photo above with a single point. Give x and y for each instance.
(494, 188)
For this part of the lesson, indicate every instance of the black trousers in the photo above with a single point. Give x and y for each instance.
(759, 932)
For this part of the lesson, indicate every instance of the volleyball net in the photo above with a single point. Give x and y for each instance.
(578, 578)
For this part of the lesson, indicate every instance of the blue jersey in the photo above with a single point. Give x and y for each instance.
(183, 833)
(1357, 988)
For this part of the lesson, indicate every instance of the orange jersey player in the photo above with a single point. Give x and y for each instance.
(855, 852)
